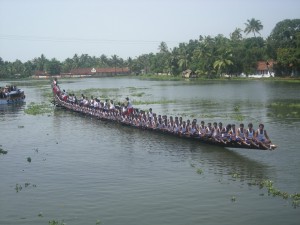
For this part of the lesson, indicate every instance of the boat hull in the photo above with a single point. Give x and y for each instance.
(13, 97)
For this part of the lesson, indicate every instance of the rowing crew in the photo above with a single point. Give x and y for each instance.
(138, 118)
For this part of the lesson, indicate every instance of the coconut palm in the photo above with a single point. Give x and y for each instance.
(223, 61)
(253, 26)
(236, 34)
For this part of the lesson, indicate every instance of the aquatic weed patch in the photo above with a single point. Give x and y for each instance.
(40, 108)
(56, 222)
(140, 94)
(268, 185)
(284, 109)
(19, 187)
(237, 115)
(2, 151)
(273, 191)
(163, 101)
(94, 91)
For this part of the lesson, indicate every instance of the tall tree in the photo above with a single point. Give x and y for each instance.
(115, 61)
(253, 26)
(283, 45)
(236, 35)
(163, 47)
(54, 67)
(40, 63)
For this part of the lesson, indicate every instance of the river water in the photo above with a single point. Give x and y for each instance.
(64, 167)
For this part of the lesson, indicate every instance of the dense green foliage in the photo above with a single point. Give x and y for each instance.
(207, 56)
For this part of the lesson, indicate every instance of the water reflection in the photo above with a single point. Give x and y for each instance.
(12, 110)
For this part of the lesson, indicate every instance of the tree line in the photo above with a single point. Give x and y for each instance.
(207, 56)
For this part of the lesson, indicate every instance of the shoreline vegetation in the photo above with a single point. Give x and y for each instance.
(206, 56)
(291, 79)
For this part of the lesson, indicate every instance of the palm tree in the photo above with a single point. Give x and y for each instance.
(223, 61)
(183, 57)
(253, 26)
(40, 62)
(236, 34)
(163, 47)
(115, 61)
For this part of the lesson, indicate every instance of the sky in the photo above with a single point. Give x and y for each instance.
(127, 28)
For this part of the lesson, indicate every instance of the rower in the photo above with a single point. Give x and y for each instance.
(262, 137)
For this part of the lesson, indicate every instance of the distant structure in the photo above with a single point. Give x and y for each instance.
(100, 71)
(265, 67)
(86, 72)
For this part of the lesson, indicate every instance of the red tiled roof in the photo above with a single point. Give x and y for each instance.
(40, 73)
(265, 65)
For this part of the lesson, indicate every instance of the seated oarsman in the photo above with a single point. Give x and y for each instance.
(159, 124)
(180, 121)
(188, 127)
(96, 104)
(111, 105)
(194, 131)
(91, 102)
(228, 132)
(171, 125)
(202, 129)
(250, 135)
(105, 105)
(154, 121)
(176, 126)
(183, 129)
(241, 135)
(64, 95)
(262, 137)
(233, 132)
(144, 120)
(221, 130)
(208, 131)
(214, 129)
(165, 123)
(216, 136)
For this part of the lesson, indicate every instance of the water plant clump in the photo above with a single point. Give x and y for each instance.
(284, 109)
(2, 151)
(56, 222)
(163, 101)
(140, 94)
(273, 191)
(296, 200)
(233, 198)
(18, 188)
(199, 171)
(35, 109)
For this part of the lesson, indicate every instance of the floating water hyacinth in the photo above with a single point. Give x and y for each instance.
(41, 108)
(2, 151)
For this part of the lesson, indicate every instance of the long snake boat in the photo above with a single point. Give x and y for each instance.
(117, 115)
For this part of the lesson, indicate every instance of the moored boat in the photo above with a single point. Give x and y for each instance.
(11, 95)
(138, 119)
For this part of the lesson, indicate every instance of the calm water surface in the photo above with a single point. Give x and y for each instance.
(83, 170)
